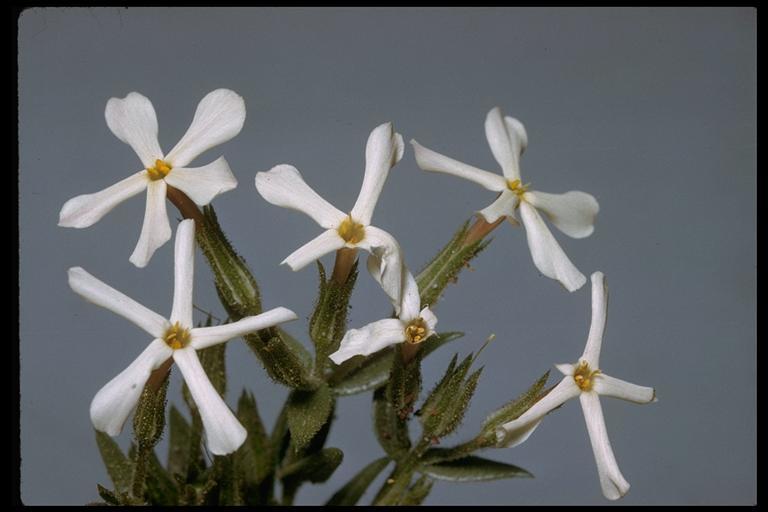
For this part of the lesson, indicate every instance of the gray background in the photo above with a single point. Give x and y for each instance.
(650, 110)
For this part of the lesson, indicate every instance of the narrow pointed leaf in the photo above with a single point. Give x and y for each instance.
(418, 491)
(161, 489)
(515, 408)
(178, 445)
(391, 431)
(255, 456)
(315, 468)
(108, 496)
(473, 469)
(307, 412)
(119, 468)
(353, 490)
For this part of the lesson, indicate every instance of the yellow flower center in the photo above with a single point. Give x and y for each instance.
(584, 376)
(160, 170)
(416, 331)
(351, 231)
(176, 336)
(517, 187)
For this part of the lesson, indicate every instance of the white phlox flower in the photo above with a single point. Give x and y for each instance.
(173, 338)
(219, 117)
(573, 212)
(413, 325)
(585, 380)
(284, 186)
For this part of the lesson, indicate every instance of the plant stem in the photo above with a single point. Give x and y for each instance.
(345, 258)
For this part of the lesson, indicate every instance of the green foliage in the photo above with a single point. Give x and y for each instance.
(180, 451)
(119, 468)
(514, 409)
(445, 267)
(391, 431)
(213, 362)
(404, 385)
(255, 456)
(149, 419)
(418, 491)
(307, 412)
(316, 468)
(473, 469)
(281, 360)
(329, 320)
(361, 374)
(353, 490)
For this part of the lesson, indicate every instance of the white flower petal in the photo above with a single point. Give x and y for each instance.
(429, 160)
(431, 320)
(516, 431)
(506, 144)
(156, 229)
(96, 291)
(516, 130)
(224, 434)
(87, 209)
(202, 184)
(133, 120)
(599, 316)
(503, 206)
(218, 118)
(411, 302)
(184, 271)
(204, 337)
(573, 213)
(382, 151)
(371, 338)
(385, 263)
(283, 186)
(611, 386)
(547, 254)
(566, 368)
(611, 480)
(327, 241)
(114, 402)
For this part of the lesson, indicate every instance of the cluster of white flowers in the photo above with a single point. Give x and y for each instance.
(219, 117)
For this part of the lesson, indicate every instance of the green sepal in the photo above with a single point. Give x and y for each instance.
(444, 409)
(404, 385)
(418, 492)
(445, 267)
(391, 431)
(235, 284)
(119, 467)
(281, 360)
(255, 456)
(307, 412)
(149, 419)
(473, 469)
(359, 374)
(514, 409)
(353, 490)
(329, 320)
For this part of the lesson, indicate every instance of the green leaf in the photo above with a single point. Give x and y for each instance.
(418, 491)
(358, 374)
(315, 468)
(118, 466)
(329, 320)
(228, 483)
(515, 408)
(255, 456)
(282, 362)
(353, 490)
(305, 358)
(391, 431)
(307, 412)
(179, 443)
(213, 361)
(444, 409)
(473, 469)
(404, 385)
(108, 496)
(149, 419)
(446, 265)
(161, 489)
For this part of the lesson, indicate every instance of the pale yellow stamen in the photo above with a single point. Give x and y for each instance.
(416, 331)
(517, 187)
(176, 336)
(159, 171)
(584, 376)
(351, 231)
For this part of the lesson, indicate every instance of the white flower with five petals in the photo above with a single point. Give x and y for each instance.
(284, 186)
(412, 326)
(573, 212)
(219, 117)
(585, 380)
(173, 338)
